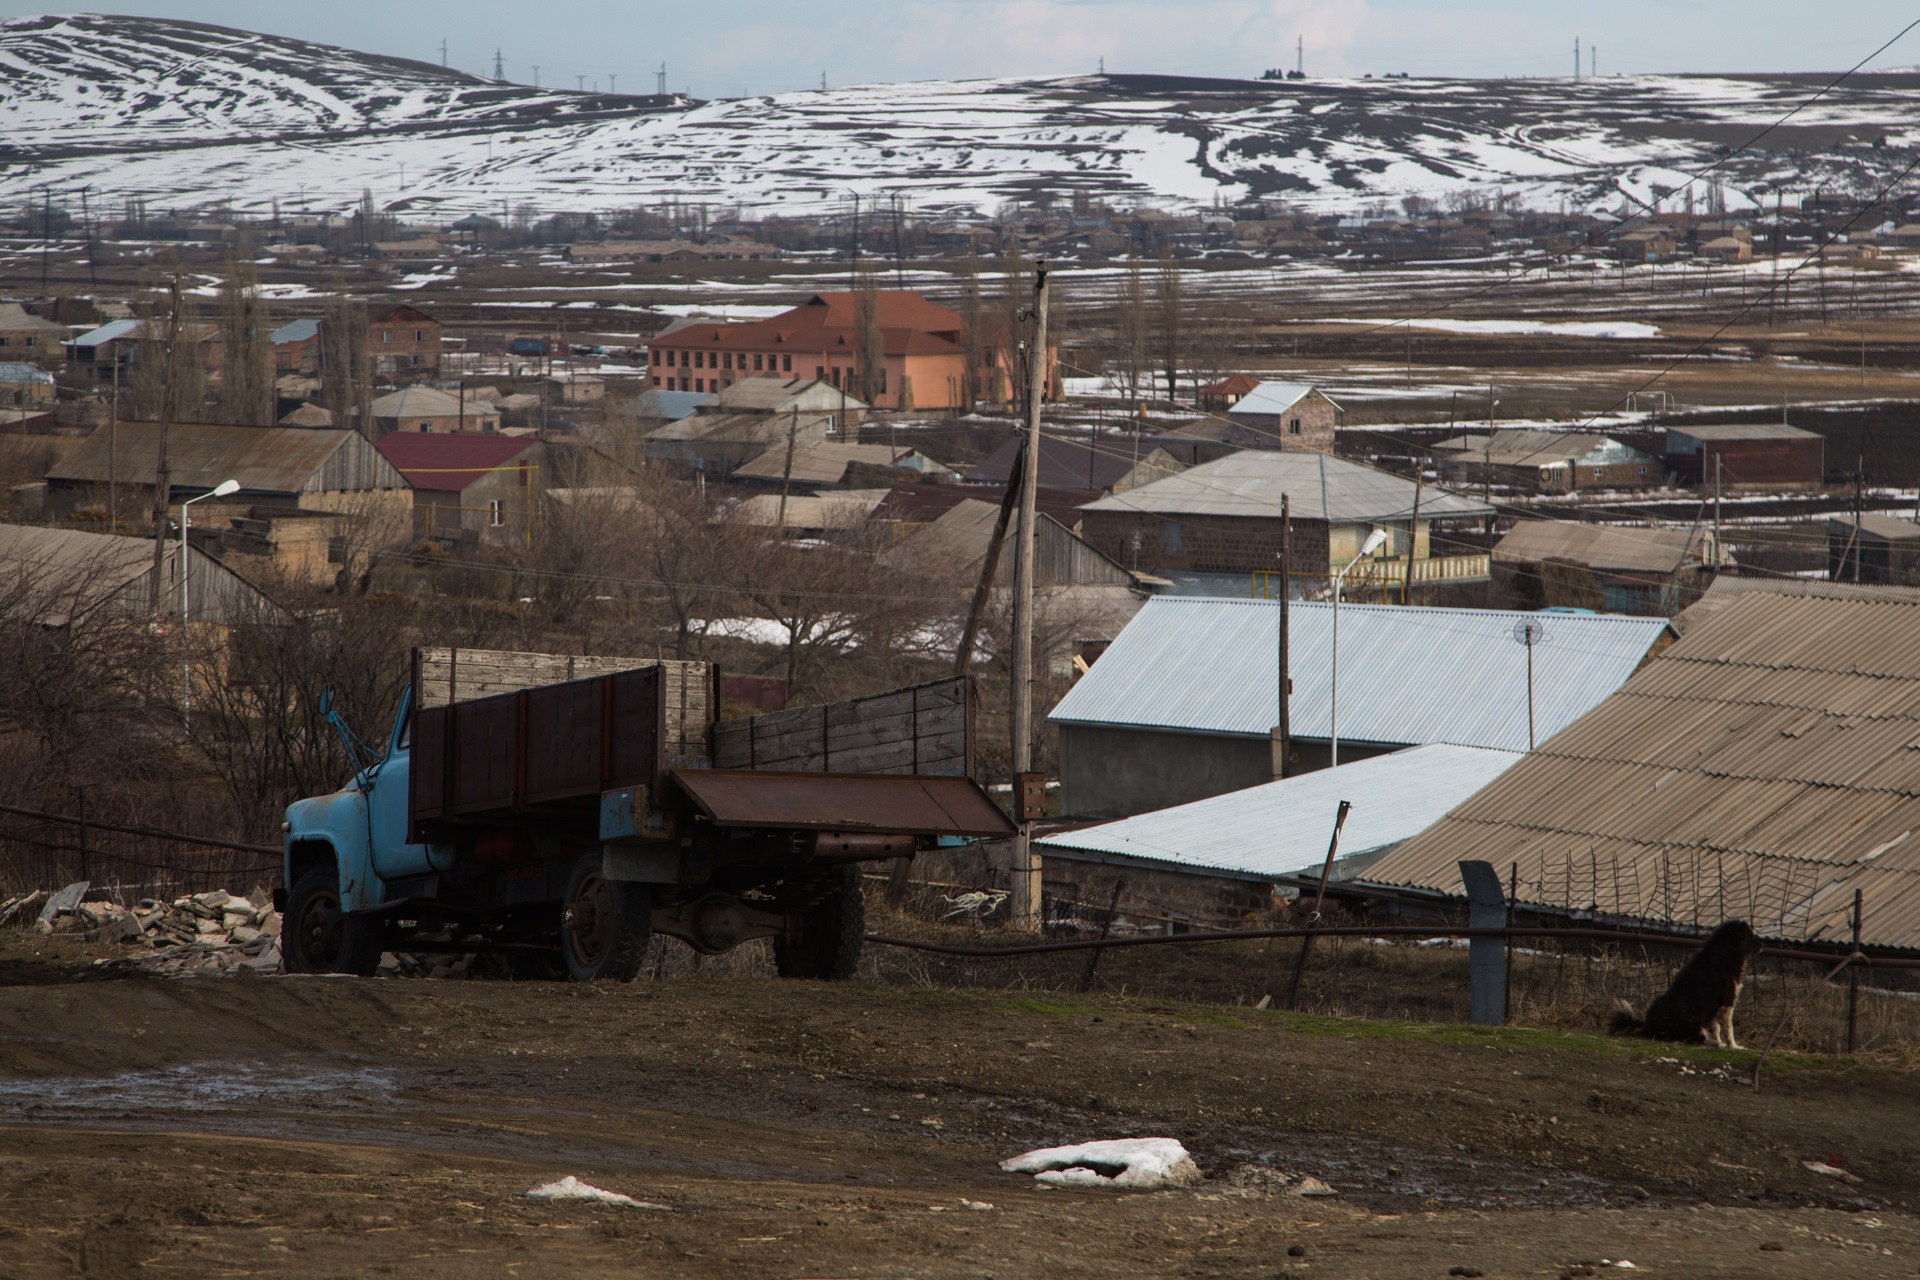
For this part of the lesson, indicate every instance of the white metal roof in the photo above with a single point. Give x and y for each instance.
(1271, 397)
(1408, 674)
(1283, 826)
(1320, 487)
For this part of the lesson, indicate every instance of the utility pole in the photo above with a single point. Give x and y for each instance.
(536, 75)
(613, 83)
(86, 222)
(660, 80)
(1859, 480)
(1576, 57)
(1413, 533)
(1283, 730)
(1300, 56)
(1026, 867)
(443, 51)
(581, 81)
(46, 233)
(113, 450)
(786, 474)
(1593, 60)
(1716, 507)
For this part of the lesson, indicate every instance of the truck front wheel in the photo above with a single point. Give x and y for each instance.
(832, 933)
(604, 924)
(317, 937)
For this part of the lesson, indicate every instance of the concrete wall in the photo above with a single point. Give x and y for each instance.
(1108, 772)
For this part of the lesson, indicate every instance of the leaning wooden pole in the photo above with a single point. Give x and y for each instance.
(963, 655)
(1319, 899)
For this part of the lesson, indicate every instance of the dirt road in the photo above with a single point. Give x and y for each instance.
(348, 1127)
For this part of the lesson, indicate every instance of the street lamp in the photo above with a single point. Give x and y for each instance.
(1367, 548)
(221, 490)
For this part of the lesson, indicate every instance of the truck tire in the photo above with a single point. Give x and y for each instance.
(832, 934)
(604, 924)
(316, 937)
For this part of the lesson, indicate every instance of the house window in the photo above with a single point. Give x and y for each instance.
(883, 380)
(416, 362)
(495, 516)
(1173, 539)
(699, 384)
(786, 364)
(699, 359)
(726, 361)
(1643, 472)
(419, 335)
(756, 364)
(423, 426)
(1293, 426)
(819, 373)
(386, 335)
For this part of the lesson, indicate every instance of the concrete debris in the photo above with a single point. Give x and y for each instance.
(211, 933)
(1259, 1180)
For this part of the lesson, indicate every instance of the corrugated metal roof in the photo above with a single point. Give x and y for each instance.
(1745, 431)
(1319, 487)
(1624, 548)
(265, 460)
(15, 371)
(1408, 674)
(1283, 826)
(106, 333)
(826, 461)
(422, 402)
(295, 331)
(1271, 397)
(1765, 766)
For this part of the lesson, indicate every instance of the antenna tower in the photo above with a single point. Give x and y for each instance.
(499, 68)
(536, 75)
(443, 51)
(660, 80)
(1300, 56)
(1576, 57)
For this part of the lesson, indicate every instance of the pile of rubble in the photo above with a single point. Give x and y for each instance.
(214, 932)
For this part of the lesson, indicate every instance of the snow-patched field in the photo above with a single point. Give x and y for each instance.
(188, 115)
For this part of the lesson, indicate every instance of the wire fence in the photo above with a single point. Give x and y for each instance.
(48, 851)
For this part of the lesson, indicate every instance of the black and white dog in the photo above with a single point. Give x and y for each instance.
(1697, 1008)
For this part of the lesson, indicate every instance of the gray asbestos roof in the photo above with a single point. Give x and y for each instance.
(1320, 487)
(1408, 674)
(295, 331)
(1280, 827)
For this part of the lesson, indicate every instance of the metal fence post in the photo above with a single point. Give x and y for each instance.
(1486, 957)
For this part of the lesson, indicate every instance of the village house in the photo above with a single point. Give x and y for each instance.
(814, 465)
(1761, 768)
(1112, 463)
(25, 385)
(923, 348)
(28, 337)
(402, 341)
(1223, 518)
(314, 470)
(742, 421)
(83, 572)
(1619, 568)
(1218, 397)
(418, 409)
(470, 489)
(296, 347)
(1876, 548)
(1288, 416)
(1538, 461)
(1185, 703)
(1758, 456)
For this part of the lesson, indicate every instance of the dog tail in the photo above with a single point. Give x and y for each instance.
(1624, 1022)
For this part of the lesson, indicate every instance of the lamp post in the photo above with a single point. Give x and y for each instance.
(221, 490)
(1367, 548)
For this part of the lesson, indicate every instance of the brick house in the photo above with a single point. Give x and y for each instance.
(470, 488)
(25, 336)
(296, 347)
(1546, 461)
(402, 341)
(1747, 456)
(1273, 415)
(923, 346)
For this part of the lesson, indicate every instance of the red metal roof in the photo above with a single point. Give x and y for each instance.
(448, 461)
(909, 325)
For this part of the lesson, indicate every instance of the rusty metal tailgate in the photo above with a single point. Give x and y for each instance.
(909, 804)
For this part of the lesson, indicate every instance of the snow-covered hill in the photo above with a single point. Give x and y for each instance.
(190, 115)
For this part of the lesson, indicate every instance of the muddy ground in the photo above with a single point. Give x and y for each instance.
(349, 1127)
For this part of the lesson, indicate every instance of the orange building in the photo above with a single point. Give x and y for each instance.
(923, 352)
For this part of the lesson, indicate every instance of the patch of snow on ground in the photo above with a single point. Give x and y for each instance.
(571, 1188)
(1546, 328)
(1135, 1164)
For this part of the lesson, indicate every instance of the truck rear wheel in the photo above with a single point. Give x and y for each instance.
(317, 937)
(604, 924)
(832, 933)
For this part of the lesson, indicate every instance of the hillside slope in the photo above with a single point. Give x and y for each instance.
(189, 115)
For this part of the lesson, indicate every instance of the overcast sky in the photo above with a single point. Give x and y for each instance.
(739, 47)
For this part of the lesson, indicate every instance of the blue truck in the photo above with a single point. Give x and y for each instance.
(556, 812)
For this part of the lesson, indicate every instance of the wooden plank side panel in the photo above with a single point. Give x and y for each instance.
(484, 746)
(921, 729)
(564, 738)
(427, 769)
(634, 733)
(449, 674)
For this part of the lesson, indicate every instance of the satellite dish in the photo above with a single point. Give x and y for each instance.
(1529, 631)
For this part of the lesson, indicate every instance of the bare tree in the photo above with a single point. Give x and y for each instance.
(246, 372)
(169, 379)
(869, 370)
(1133, 333)
(1169, 322)
(346, 370)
